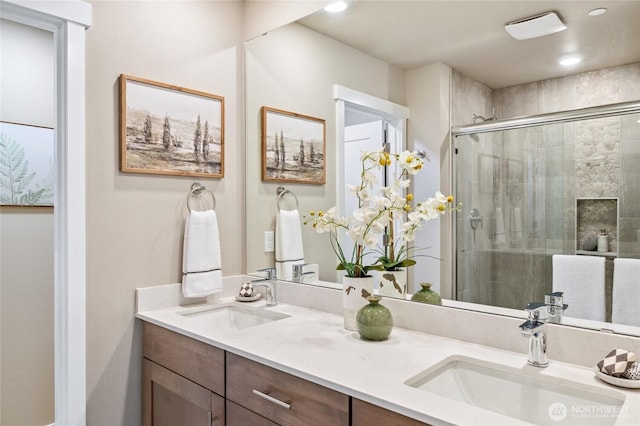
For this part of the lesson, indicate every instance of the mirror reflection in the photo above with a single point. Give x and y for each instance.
(527, 194)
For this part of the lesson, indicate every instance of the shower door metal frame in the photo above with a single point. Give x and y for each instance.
(609, 110)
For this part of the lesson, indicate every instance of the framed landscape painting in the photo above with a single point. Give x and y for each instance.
(27, 168)
(170, 130)
(293, 147)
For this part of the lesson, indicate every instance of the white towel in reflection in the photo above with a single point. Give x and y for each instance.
(201, 264)
(499, 238)
(581, 278)
(625, 307)
(517, 222)
(289, 250)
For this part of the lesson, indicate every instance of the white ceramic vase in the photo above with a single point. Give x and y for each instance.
(392, 283)
(354, 296)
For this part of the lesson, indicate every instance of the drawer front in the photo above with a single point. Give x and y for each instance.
(281, 397)
(197, 361)
(365, 414)
(240, 416)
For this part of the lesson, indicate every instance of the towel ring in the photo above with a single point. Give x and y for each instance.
(196, 189)
(281, 193)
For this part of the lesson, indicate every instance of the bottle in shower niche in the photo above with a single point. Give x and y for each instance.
(603, 241)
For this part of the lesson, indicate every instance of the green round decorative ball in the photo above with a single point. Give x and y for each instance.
(426, 295)
(374, 321)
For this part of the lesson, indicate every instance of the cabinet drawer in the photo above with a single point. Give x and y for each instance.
(365, 414)
(197, 361)
(251, 384)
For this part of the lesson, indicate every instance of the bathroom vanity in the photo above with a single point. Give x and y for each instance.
(186, 381)
(224, 362)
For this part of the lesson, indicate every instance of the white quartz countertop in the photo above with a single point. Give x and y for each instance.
(314, 345)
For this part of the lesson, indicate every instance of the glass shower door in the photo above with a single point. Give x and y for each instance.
(511, 184)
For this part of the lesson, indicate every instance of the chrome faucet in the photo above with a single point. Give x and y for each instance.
(269, 283)
(532, 328)
(298, 275)
(555, 306)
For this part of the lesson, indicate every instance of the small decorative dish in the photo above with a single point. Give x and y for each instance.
(251, 298)
(616, 381)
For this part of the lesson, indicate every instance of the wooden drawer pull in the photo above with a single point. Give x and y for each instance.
(265, 395)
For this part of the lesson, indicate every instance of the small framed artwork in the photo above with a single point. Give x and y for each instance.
(488, 173)
(293, 147)
(27, 167)
(170, 130)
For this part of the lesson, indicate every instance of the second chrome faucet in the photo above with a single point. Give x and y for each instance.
(269, 283)
(537, 315)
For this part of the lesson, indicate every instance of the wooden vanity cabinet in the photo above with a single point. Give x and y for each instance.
(186, 382)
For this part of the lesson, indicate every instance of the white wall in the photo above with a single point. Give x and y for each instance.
(294, 69)
(135, 222)
(26, 240)
(427, 95)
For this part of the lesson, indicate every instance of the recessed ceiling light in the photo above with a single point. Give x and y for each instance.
(336, 6)
(570, 60)
(597, 12)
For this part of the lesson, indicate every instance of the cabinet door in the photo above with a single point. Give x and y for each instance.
(171, 400)
(365, 414)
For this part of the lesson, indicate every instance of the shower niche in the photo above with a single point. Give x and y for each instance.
(597, 226)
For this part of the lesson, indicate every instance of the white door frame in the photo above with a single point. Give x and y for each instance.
(67, 20)
(385, 109)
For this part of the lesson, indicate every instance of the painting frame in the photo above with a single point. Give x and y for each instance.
(179, 148)
(308, 165)
(29, 173)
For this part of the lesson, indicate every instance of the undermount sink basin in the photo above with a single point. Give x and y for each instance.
(231, 316)
(508, 391)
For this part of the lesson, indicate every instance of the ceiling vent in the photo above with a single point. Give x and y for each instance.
(535, 26)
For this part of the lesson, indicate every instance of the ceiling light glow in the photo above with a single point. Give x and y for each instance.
(570, 60)
(336, 6)
(597, 12)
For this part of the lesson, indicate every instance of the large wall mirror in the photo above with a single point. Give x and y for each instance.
(452, 64)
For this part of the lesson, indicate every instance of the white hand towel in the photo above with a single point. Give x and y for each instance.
(581, 278)
(201, 264)
(499, 238)
(626, 292)
(289, 250)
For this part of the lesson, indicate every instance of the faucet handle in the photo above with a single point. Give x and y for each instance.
(299, 267)
(271, 273)
(536, 311)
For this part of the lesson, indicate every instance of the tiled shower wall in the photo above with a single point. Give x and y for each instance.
(590, 158)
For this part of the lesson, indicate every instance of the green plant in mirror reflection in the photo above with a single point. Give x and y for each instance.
(375, 215)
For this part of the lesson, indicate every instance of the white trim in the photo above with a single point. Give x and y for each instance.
(75, 11)
(395, 111)
(69, 212)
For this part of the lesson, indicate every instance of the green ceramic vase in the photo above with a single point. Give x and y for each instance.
(426, 295)
(374, 321)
